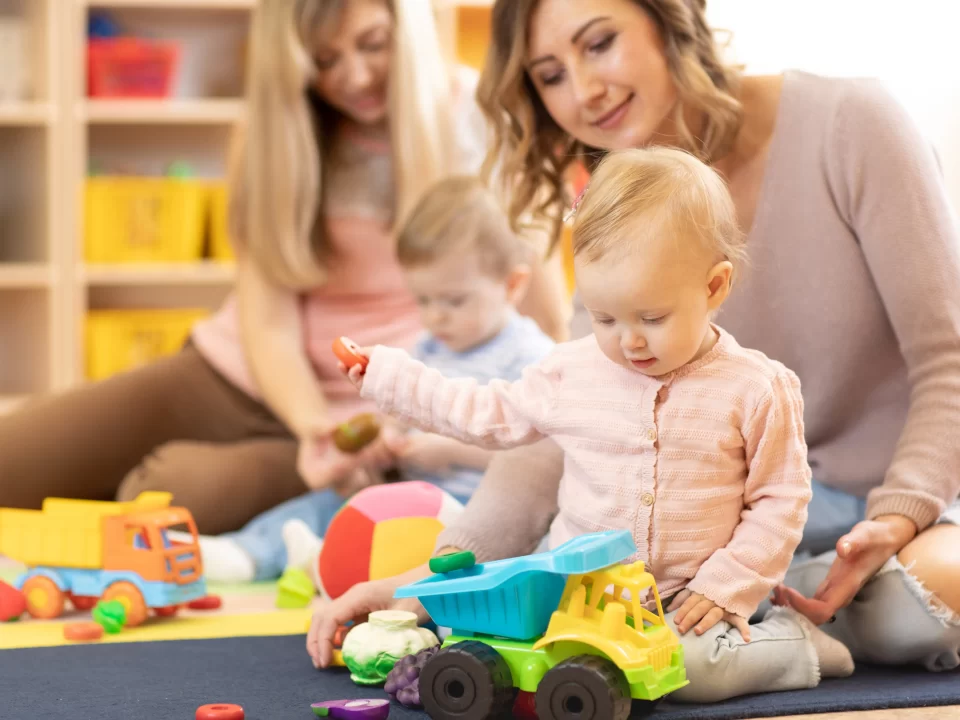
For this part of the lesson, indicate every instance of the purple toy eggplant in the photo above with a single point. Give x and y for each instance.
(352, 709)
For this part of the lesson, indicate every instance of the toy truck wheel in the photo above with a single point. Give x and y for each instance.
(132, 599)
(585, 687)
(467, 681)
(44, 599)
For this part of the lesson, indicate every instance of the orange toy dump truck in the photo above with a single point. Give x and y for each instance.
(88, 550)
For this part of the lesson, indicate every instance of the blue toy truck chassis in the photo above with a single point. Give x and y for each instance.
(93, 583)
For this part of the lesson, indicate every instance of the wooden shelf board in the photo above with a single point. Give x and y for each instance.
(178, 4)
(9, 403)
(25, 275)
(202, 273)
(173, 111)
(25, 113)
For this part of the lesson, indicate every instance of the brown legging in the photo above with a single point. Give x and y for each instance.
(175, 425)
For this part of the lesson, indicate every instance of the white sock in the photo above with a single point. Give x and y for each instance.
(223, 559)
(303, 549)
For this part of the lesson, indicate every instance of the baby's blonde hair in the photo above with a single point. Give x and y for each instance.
(460, 214)
(637, 194)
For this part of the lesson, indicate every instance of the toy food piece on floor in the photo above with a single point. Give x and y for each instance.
(337, 660)
(525, 706)
(452, 561)
(355, 434)
(372, 649)
(383, 531)
(207, 602)
(294, 589)
(403, 682)
(13, 603)
(348, 352)
(110, 615)
(352, 709)
(340, 634)
(219, 711)
(82, 631)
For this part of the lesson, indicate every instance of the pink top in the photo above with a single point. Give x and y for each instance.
(706, 466)
(365, 296)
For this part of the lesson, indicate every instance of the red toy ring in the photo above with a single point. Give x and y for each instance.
(348, 352)
(219, 712)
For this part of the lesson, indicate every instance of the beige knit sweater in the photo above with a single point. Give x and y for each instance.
(854, 284)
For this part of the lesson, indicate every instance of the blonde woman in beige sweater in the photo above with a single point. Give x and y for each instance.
(854, 284)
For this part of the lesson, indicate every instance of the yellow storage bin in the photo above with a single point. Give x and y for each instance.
(120, 340)
(220, 248)
(144, 220)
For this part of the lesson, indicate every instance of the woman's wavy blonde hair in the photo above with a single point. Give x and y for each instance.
(276, 170)
(531, 153)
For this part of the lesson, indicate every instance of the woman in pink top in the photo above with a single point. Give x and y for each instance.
(669, 428)
(854, 284)
(351, 113)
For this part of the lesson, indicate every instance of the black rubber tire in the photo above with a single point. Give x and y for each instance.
(467, 681)
(585, 687)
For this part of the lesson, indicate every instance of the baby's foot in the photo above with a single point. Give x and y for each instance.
(303, 549)
(224, 560)
(835, 658)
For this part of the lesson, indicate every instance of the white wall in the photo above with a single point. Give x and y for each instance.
(913, 47)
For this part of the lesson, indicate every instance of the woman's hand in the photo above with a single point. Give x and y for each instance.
(321, 464)
(701, 614)
(860, 553)
(355, 605)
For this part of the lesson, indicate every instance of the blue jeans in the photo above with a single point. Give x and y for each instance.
(262, 537)
(892, 620)
(830, 515)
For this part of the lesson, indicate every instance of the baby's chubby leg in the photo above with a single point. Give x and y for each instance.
(786, 652)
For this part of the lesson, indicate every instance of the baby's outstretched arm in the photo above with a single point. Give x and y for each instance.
(739, 576)
(497, 415)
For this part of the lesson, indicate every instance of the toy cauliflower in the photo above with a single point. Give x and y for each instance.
(372, 649)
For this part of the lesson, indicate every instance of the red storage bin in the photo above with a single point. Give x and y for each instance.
(131, 68)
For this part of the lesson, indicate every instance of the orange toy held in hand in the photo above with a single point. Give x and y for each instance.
(348, 352)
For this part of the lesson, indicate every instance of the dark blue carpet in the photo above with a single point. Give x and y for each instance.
(273, 680)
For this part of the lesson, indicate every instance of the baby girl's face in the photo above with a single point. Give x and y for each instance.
(651, 310)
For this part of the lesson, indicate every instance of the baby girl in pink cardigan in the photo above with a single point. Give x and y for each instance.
(669, 427)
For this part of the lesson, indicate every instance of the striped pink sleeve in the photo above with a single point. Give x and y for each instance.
(497, 415)
(741, 575)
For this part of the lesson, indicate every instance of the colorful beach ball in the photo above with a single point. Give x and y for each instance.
(383, 531)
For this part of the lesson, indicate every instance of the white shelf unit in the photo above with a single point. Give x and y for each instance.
(51, 137)
(144, 137)
(29, 195)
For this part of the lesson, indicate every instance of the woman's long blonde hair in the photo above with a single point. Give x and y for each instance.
(276, 169)
(531, 153)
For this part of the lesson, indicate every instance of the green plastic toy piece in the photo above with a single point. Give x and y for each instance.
(179, 169)
(294, 589)
(452, 561)
(110, 615)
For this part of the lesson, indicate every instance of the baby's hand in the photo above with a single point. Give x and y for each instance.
(352, 358)
(696, 610)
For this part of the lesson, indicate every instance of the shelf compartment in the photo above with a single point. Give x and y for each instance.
(25, 338)
(24, 185)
